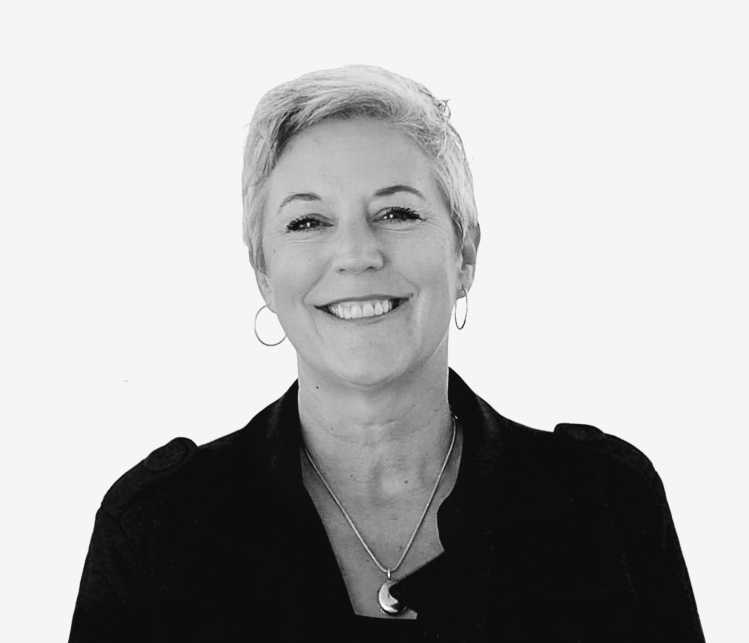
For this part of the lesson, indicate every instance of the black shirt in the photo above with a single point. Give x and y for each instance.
(563, 536)
(368, 629)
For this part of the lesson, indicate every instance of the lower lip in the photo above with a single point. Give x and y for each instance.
(368, 320)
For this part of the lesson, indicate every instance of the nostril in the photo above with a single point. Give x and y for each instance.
(359, 265)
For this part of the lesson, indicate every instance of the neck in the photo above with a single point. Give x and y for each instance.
(377, 444)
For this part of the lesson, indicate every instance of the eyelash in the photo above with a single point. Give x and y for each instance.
(297, 224)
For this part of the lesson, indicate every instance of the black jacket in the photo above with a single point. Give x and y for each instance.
(563, 536)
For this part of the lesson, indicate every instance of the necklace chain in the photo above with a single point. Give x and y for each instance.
(380, 566)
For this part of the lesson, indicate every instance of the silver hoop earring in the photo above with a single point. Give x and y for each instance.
(260, 339)
(455, 310)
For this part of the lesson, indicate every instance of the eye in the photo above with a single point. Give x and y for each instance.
(304, 224)
(400, 214)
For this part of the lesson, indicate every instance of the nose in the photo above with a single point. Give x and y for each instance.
(357, 248)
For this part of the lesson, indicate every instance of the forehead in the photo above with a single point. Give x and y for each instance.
(360, 154)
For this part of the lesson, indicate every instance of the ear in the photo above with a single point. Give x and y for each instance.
(266, 288)
(468, 253)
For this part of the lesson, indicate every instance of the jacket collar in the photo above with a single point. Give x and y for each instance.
(504, 484)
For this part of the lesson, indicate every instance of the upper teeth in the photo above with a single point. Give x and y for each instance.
(357, 309)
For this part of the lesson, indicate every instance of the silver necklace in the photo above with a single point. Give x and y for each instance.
(388, 603)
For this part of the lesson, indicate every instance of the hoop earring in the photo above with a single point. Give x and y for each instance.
(260, 339)
(455, 310)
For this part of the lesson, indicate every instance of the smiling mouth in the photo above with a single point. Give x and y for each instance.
(362, 309)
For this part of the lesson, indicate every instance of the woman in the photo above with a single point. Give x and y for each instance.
(379, 497)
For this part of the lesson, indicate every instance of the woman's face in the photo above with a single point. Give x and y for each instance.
(361, 265)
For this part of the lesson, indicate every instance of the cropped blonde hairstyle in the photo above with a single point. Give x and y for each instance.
(348, 92)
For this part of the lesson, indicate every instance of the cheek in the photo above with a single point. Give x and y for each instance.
(434, 266)
(293, 274)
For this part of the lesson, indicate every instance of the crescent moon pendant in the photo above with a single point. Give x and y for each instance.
(388, 603)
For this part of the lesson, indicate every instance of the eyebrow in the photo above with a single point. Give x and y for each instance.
(398, 188)
(311, 196)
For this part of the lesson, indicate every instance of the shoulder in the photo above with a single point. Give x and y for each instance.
(158, 466)
(575, 466)
(585, 460)
(568, 441)
(199, 476)
(571, 448)
(605, 468)
(177, 471)
(590, 441)
(588, 470)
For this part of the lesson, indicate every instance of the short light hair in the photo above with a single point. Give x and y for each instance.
(348, 92)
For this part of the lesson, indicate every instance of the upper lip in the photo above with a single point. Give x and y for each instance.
(372, 297)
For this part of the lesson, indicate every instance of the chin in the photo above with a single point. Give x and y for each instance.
(368, 373)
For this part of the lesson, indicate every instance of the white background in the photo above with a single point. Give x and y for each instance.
(610, 152)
